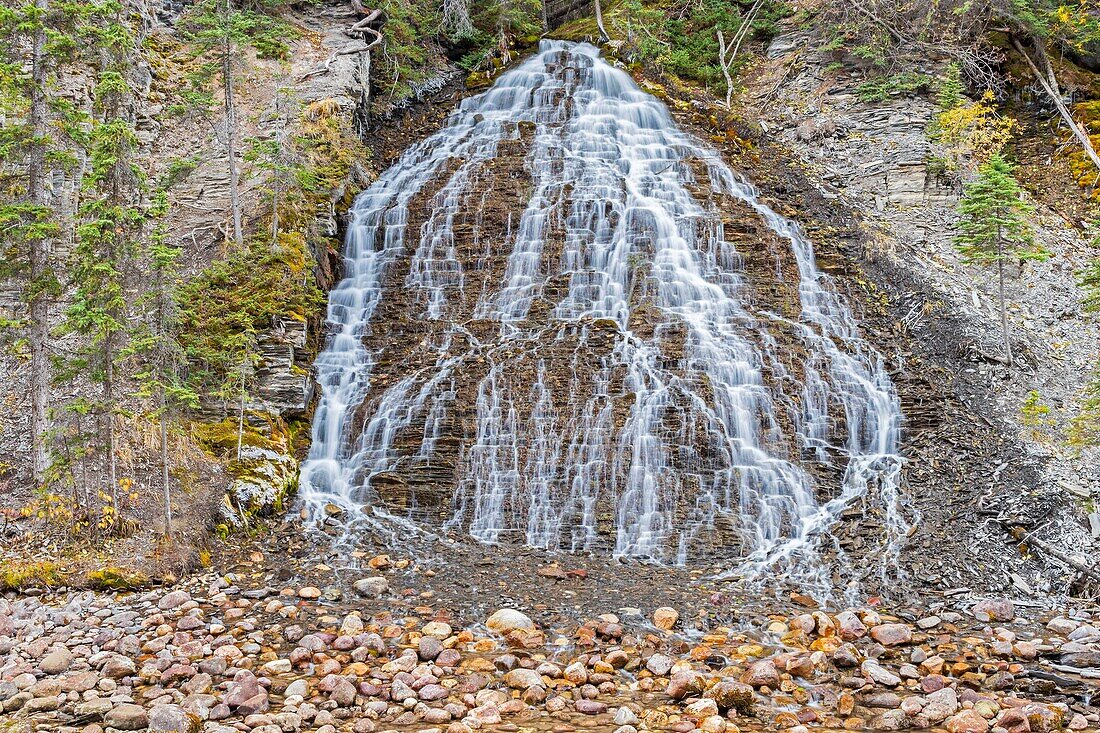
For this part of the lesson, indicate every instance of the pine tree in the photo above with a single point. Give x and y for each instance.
(34, 144)
(994, 227)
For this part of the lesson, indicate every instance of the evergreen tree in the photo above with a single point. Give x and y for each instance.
(217, 30)
(154, 343)
(1090, 281)
(276, 156)
(34, 127)
(994, 227)
(111, 223)
(1085, 426)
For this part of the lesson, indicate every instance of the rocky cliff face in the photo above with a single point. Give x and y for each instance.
(861, 177)
(877, 160)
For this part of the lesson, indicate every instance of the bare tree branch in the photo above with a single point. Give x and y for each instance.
(1049, 83)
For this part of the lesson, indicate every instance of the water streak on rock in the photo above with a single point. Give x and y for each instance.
(633, 392)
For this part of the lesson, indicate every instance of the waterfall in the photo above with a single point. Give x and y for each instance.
(567, 323)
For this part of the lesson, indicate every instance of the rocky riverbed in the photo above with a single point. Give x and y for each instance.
(218, 653)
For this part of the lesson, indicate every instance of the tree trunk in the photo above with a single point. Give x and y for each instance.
(240, 417)
(109, 397)
(39, 306)
(164, 463)
(1049, 84)
(231, 135)
(1001, 287)
(723, 50)
(604, 38)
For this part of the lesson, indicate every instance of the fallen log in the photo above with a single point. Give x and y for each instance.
(1028, 538)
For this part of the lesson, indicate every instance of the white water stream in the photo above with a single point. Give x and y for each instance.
(680, 430)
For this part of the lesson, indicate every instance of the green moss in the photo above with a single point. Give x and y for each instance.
(115, 578)
(577, 30)
(19, 575)
(219, 439)
(228, 303)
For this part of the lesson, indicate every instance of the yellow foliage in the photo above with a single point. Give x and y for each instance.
(972, 132)
(1080, 164)
(1073, 23)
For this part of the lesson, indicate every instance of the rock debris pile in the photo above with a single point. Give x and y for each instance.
(215, 657)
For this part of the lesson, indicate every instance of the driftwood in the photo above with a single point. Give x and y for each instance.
(1089, 674)
(1027, 538)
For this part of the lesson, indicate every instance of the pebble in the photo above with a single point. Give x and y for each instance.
(267, 661)
(892, 634)
(509, 619)
(665, 618)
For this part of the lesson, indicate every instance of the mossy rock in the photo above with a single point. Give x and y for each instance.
(115, 578)
(220, 438)
(477, 80)
(263, 480)
(19, 575)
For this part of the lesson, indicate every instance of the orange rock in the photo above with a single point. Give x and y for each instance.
(479, 664)
(786, 720)
(967, 721)
(665, 618)
(824, 625)
(796, 638)
(827, 644)
(699, 653)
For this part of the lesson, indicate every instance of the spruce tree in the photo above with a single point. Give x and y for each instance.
(218, 31)
(154, 344)
(111, 220)
(34, 144)
(994, 227)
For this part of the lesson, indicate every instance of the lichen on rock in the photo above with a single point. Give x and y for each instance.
(262, 481)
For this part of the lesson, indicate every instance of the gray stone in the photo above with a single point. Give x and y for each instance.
(940, 705)
(172, 719)
(93, 709)
(371, 587)
(172, 600)
(57, 661)
(127, 717)
(521, 679)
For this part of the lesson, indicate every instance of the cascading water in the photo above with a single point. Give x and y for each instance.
(549, 332)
